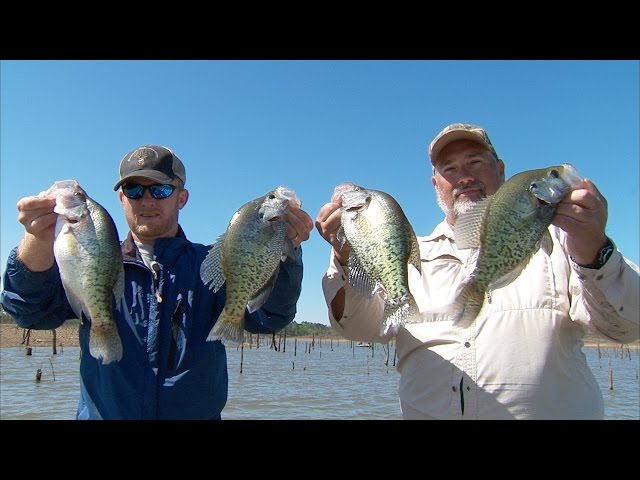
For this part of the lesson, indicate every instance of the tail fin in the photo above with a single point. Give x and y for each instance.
(467, 305)
(228, 331)
(104, 342)
(398, 312)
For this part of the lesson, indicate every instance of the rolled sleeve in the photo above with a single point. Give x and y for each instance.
(610, 298)
(362, 317)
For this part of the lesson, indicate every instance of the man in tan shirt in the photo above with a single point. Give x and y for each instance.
(521, 357)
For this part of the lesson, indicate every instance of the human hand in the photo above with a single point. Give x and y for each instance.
(328, 223)
(36, 214)
(39, 220)
(582, 214)
(299, 225)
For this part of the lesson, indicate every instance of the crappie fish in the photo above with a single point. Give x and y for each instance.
(247, 256)
(506, 229)
(87, 251)
(383, 245)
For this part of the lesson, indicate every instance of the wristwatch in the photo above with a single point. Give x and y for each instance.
(603, 255)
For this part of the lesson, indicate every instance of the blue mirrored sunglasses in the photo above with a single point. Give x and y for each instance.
(135, 191)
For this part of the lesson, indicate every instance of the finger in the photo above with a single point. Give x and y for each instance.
(299, 215)
(36, 224)
(299, 226)
(329, 219)
(36, 213)
(299, 222)
(36, 204)
(334, 221)
(326, 210)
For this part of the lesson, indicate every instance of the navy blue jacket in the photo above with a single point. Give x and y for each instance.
(158, 377)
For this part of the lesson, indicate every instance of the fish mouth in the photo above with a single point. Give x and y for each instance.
(356, 208)
(542, 202)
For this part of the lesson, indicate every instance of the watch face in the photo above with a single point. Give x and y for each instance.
(605, 252)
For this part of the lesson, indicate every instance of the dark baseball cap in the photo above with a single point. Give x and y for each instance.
(154, 162)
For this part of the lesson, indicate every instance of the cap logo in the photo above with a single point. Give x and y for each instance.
(142, 154)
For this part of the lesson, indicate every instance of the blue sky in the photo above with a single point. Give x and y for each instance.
(244, 127)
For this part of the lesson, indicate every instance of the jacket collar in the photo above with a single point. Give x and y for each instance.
(130, 251)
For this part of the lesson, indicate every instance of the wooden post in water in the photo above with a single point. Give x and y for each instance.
(395, 354)
(295, 346)
(38, 374)
(610, 375)
(26, 336)
(54, 342)
(331, 340)
(284, 344)
(241, 356)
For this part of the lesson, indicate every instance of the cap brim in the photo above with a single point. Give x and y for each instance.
(146, 174)
(452, 136)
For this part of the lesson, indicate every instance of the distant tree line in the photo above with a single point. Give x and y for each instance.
(294, 329)
(307, 329)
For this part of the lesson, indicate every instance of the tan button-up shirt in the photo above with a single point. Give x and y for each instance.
(521, 357)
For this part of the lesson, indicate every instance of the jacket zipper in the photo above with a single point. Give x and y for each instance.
(175, 330)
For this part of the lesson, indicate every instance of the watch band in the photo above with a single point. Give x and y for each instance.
(603, 255)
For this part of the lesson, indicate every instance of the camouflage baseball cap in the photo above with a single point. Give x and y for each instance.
(154, 162)
(459, 131)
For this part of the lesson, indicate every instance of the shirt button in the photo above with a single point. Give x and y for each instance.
(454, 388)
(467, 344)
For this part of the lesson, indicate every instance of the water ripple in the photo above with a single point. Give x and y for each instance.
(332, 383)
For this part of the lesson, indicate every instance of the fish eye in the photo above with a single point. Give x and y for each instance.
(271, 196)
(533, 185)
(554, 173)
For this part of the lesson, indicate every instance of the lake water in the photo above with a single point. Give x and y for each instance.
(332, 380)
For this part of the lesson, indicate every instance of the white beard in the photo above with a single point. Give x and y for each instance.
(459, 207)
